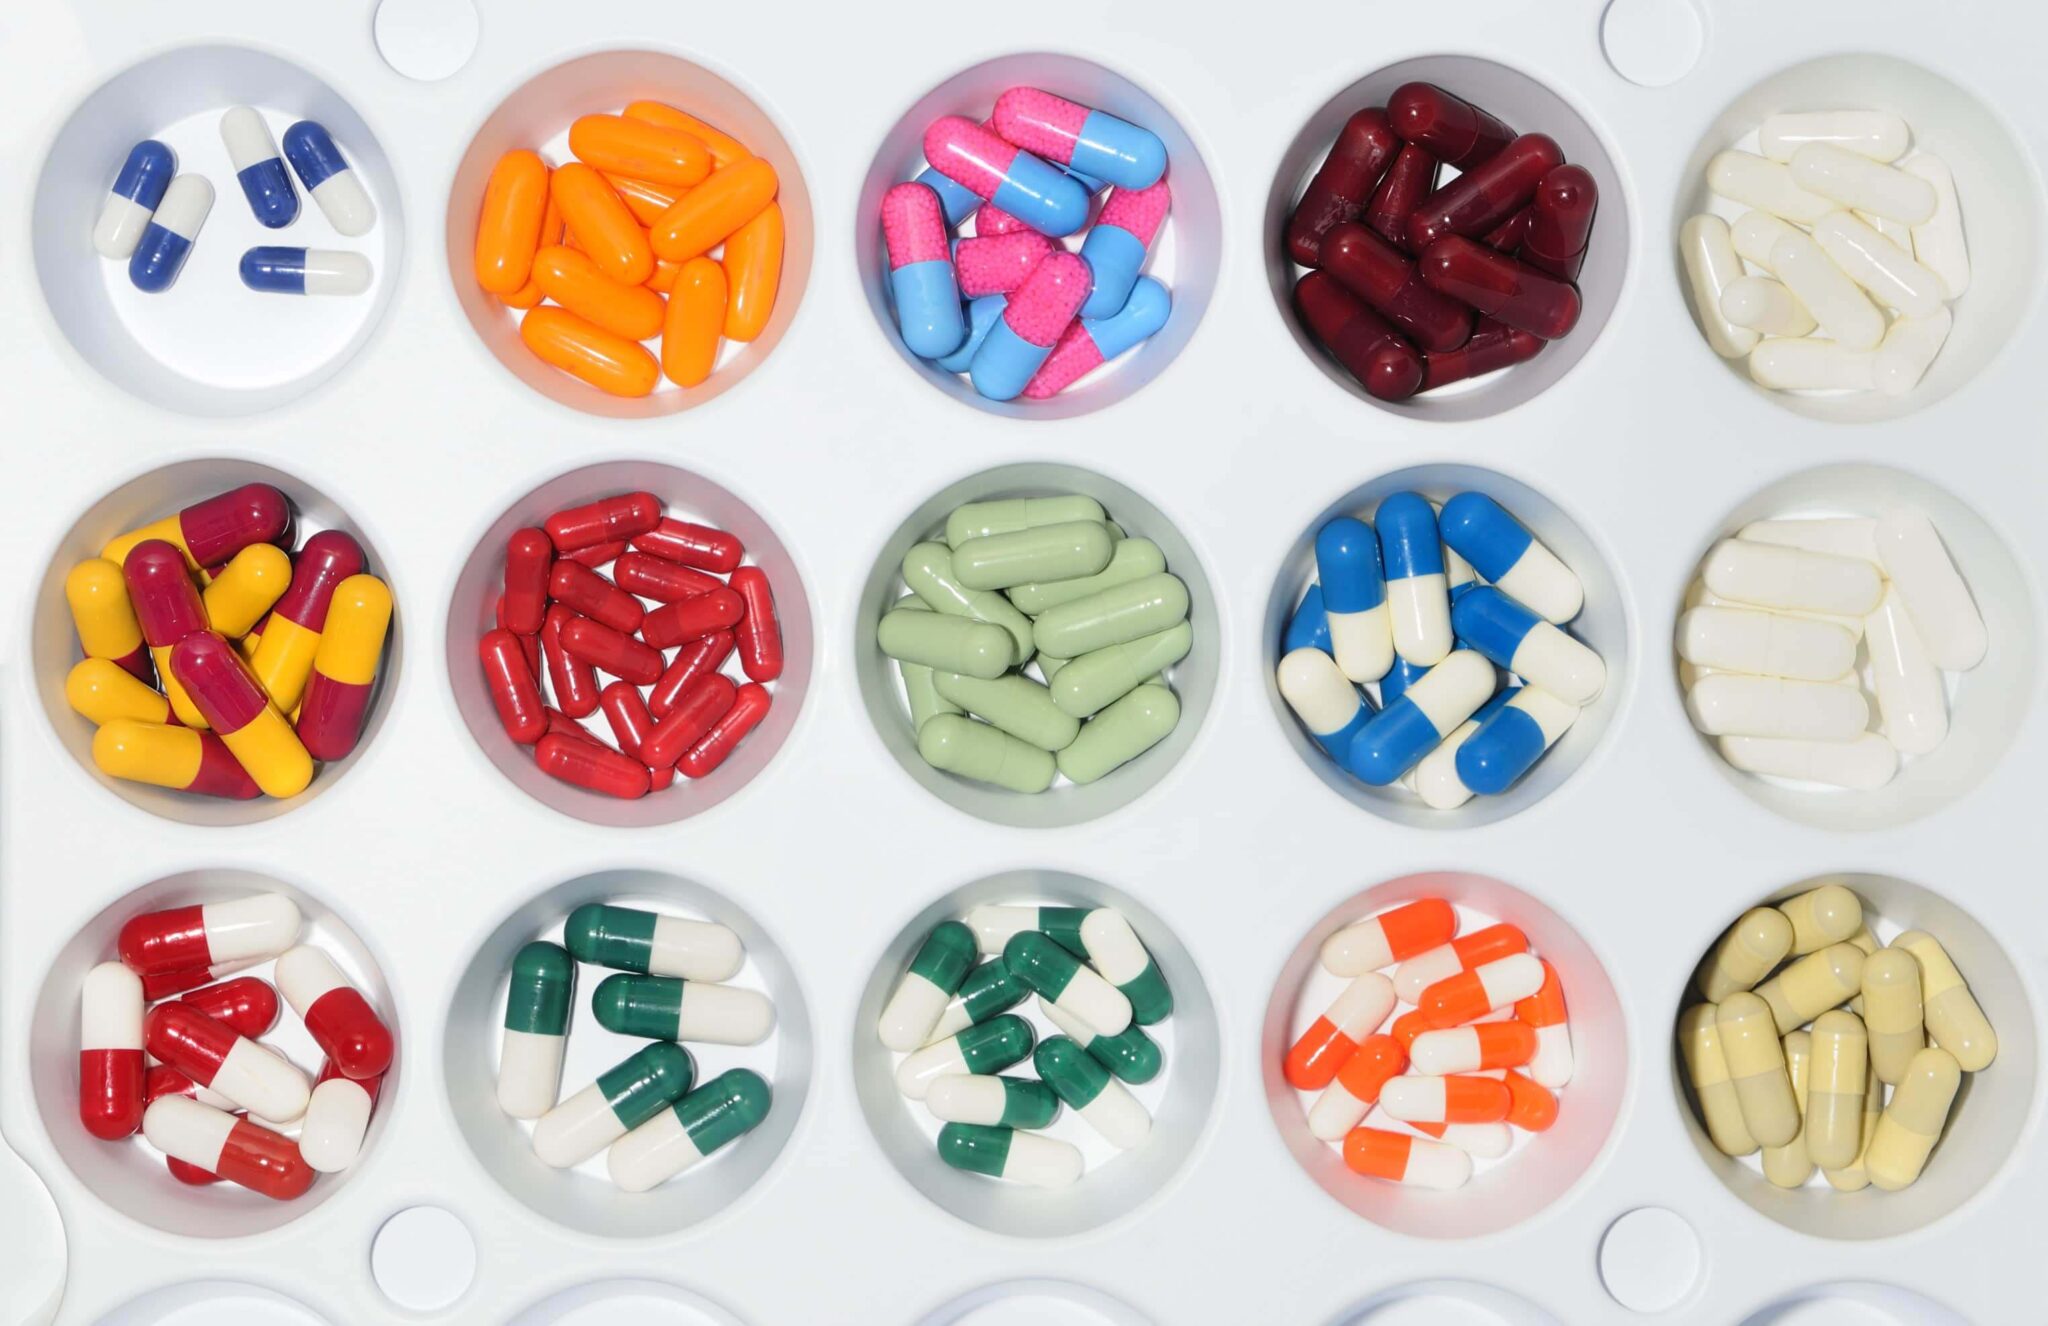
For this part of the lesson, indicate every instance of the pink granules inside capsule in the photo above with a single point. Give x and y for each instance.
(1073, 357)
(992, 220)
(1040, 123)
(967, 154)
(998, 264)
(1046, 303)
(913, 225)
(1140, 211)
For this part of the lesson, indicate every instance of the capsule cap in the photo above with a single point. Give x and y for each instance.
(728, 1106)
(1070, 1070)
(543, 984)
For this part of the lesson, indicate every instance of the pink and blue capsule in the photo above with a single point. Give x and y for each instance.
(982, 315)
(325, 172)
(1116, 244)
(1031, 325)
(1355, 598)
(1309, 626)
(278, 269)
(1112, 150)
(259, 168)
(921, 278)
(1509, 556)
(1040, 195)
(990, 221)
(138, 189)
(167, 241)
(1092, 342)
(1511, 739)
(1531, 648)
(1395, 740)
(1418, 591)
(959, 201)
(1328, 705)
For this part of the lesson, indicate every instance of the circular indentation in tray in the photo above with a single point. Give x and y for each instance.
(536, 115)
(138, 502)
(1115, 1184)
(1986, 704)
(1652, 43)
(1035, 1303)
(1997, 187)
(1445, 1303)
(583, 1198)
(129, 1176)
(1603, 625)
(1650, 1259)
(209, 345)
(1185, 256)
(426, 40)
(206, 1302)
(1193, 678)
(423, 1258)
(643, 1302)
(1524, 104)
(1984, 1125)
(1855, 1303)
(686, 496)
(1543, 1168)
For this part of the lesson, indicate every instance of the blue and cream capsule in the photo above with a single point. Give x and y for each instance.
(259, 168)
(1355, 598)
(982, 316)
(1395, 740)
(1324, 699)
(282, 270)
(138, 189)
(167, 240)
(1512, 738)
(325, 172)
(1436, 778)
(1507, 555)
(1309, 626)
(1398, 679)
(1418, 592)
(1530, 647)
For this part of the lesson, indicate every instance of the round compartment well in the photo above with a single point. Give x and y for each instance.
(1445, 1303)
(1023, 1302)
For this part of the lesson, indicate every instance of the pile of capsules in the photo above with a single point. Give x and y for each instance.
(1039, 317)
(666, 990)
(1781, 1066)
(1046, 583)
(667, 713)
(1836, 235)
(948, 1018)
(1485, 1045)
(591, 247)
(1428, 605)
(153, 215)
(1401, 266)
(218, 1102)
(1789, 617)
(218, 663)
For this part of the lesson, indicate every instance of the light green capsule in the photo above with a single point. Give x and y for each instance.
(924, 698)
(1116, 531)
(974, 750)
(978, 520)
(1043, 552)
(950, 644)
(1049, 667)
(1095, 681)
(928, 570)
(1121, 733)
(1016, 704)
(1132, 559)
(1112, 616)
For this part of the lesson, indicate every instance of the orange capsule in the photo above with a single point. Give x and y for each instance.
(528, 295)
(1312, 1061)
(753, 271)
(610, 363)
(665, 274)
(595, 214)
(640, 149)
(572, 280)
(1530, 1107)
(696, 314)
(703, 217)
(725, 149)
(645, 201)
(1399, 1158)
(509, 223)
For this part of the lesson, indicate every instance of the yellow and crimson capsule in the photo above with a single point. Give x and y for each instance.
(173, 757)
(103, 691)
(227, 692)
(331, 719)
(252, 582)
(168, 607)
(208, 533)
(105, 618)
(291, 633)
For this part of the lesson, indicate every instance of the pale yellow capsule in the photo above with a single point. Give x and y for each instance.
(1813, 985)
(1855, 1177)
(1827, 915)
(1790, 1165)
(1891, 1012)
(1699, 1040)
(1835, 1089)
(1954, 1021)
(1912, 1123)
(1757, 942)
(1756, 1062)
(1864, 940)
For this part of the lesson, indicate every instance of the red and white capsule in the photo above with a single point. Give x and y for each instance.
(213, 1055)
(110, 1071)
(337, 1117)
(219, 1144)
(336, 1014)
(212, 934)
(247, 1004)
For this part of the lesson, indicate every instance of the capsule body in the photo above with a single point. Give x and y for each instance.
(922, 281)
(1320, 1053)
(259, 168)
(1033, 319)
(337, 1117)
(1393, 936)
(1525, 644)
(1509, 557)
(137, 189)
(337, 1016)
(1036, 193)
(1418, 591)
(619, 1101)
(337, 697)
(536, 1026)
(167, 240)
(283, 661)
(110, 1067)
(1354, 593)
(1427, 712)
(325, 172)
(628, 939)
(1005, 1153)
(214, 1055)
(213, 934)
(217, 1143)
(236, 707)
(727, 1107)
(1115, 247)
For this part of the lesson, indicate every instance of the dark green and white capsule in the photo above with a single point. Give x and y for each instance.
(665, 1008)
(937, 969)
(537, 1008)
(1115, 950)
(1005, 1153)
(728, 1106)
(628, 939)
(994, 925)
(1132, 1055)
(987, 1047)
(1013, 1102)
(1051, 971)
(988, 990)
(1085, 1085)
(618, 1102)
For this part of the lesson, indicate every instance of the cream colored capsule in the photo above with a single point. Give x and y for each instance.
(1770, 576)
(1811, 986)
(1727, 704)
(1836, 302)
(1711, 264)
(1908, 351)
(1855, 1176)
(1891, 274)
(1862, 765)
(1938, 242)
(1827, 915)
(1879, 135)
(1932, 588)
(1857, 182)
(1835, 1085)
(1912, 697)
(1891, 1012)
(1757, 942)
(1765, 306)
(1954, 1021)
(1911, 1124)
(1748, 178)
(1864, 940)
(1765, 643)
(1699, 1041)
(1791, 1165)
(1699, 596)
(1754, 233)
(1804, 363)
(1756, 1063)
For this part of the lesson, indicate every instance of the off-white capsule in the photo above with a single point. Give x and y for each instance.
(1862, 765)
(1766, 184)
(1799, 363)
(1731, 704)
(1436, 778)
(1908, 351)
(1879, 135)
(1931, 588)
(337, 1116)
(1764, 306)
(1755, 233)
(1711, 265)
(1766, 643)
(1856, 181)
(1888, 272)
(1841, 536)
(1791, 579)
(1938, 242)
(1841, 308)
(1912, 699)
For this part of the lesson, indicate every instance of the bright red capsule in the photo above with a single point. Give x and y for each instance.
(628, 716)
(673, 623)
(1493, 345)
(606, 519)
(1343, 184)
(214, 1055)
(337, 1016)
(531, 642)
(665, 582)
(1487, 194)
(690, 720)
(247, 1003)
(592, 767)
(758, 633)
(513, 688)
(1385, 278)
(1561, 222)
(657, 779)
(1408, 181)
(572, 680)
(698, 658)
(529, 556)
(204, 942)
(169, 984)
(1368, 347)
(1500, 287)
(597, 554)
(749, 707)
(215, 1142)
(1458, 132)
(584, 591)
(110, 1070)
(561, 725)
(190, 1175)
(611, 652)
(686, 544)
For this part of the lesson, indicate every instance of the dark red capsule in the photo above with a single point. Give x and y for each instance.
(327, 559)
(218, 528)
(1497, 285)
(1458, 132)
(1507, 236)
(1408, 181)
(1493, 345)
(572, 680)
(758, 634)
(589, 594)
(686, 544)
(1385, 278)
(528, 557)
(691, 719)
(1561, 222)
(1368, 347)
(594, 768)
(697, 658)
(513, 688)
(1487, 194)
(1343, 184)
(612, 652)
(673, 623)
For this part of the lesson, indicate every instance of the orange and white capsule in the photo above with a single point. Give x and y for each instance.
(1345, 1102)
(1471, 995)
(1391, 937)
(1472, 1049)
(1398, 1158)
(1545, 1011)
(1312, 1062)
(1461, 954)
(1531, 1108)
(1454, 1099)
(1481, 1141)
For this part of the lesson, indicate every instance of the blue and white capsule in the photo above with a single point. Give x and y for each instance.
(982, 316)
(1531, 648)
(1399, 678)
(325, 172)
(1512, 738)
(1418, 591)
(259, 168)
(1324, 699)
(167, 240)
(1436, 778)
(1508, 555)
(1309, 626)
(138, 189)
(1458, 573)
(1355, 598)
(1395, 740)
(281, 270)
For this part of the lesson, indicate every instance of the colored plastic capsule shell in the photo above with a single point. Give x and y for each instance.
(626, 516)
(712, 211)
(538, 1003)
(1084, 1084)
(620, 1100)
(210, 532)
(749, 707)
(282, 269)
(1500, 287)
(1473, 994)
(1405, 1159)
(515, 692)
(693, 662)
(758, 635)
(214, 934)
(1458, 132)
(1561, 222)
(1393, 936)
(612, 364)
(508, 230)
(1343, 184)
(1115, 950)
(589, 594)
(1091, 141)
(666, 1008)
(1410, 179)
(1057, 975)
(325, 173)
(641, 149)
(715, 1114)
(337, 698)
(1319, 1053)
(686, 544)
(167, 608)
(1377, 356)
(110, 1060)
(1033, 320)
(167, 239)
(337, 1118)
(570, 677)
(337, 1016)
(1025, 1158)
(592, 767)
(214, 1055)
(753, 274)
(1391, 283)
(648, 577)
(236, 706)
(137, 189)
(247, 588)
(1493, 346)
(283, 661)
(630, 939)
(529, 556)
(1035, 192)
(216, 1143)
(247, 1003)
(717, 609)
(97, 592)
(573, 280)
(1486, 194)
